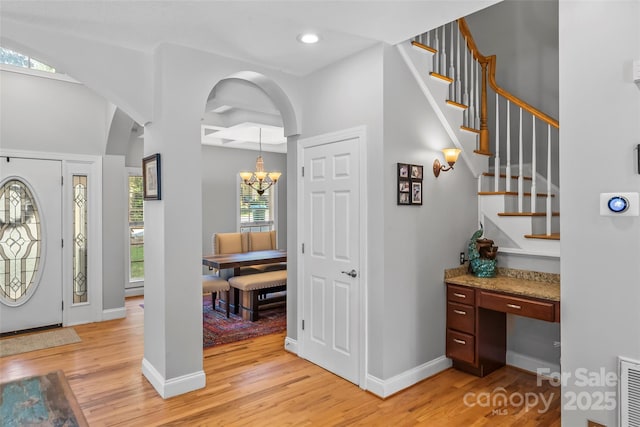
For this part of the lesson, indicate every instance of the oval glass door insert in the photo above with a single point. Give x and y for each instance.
(20, 242)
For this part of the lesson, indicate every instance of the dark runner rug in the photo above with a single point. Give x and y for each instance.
(44, 400)
(217, 329)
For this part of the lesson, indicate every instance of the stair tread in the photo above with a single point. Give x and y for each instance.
(503, 175)
(441, 77)
(456, 104)
(527, 214)
(510, 193)
(468, 129)
(424, 46)
(552, 236)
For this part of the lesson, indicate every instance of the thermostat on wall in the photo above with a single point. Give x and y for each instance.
(619, 204)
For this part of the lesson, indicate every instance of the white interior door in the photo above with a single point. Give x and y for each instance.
(331, 259)
(30, 243)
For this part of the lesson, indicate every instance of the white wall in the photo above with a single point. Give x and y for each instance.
(114, 229)
(220, 167)
(600, 268)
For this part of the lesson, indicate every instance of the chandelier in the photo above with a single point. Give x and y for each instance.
(260, 180)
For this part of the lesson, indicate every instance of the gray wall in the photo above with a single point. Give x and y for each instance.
(114, 229)
(220, 181)
(600, 111)
(342, 96)
(419, 241)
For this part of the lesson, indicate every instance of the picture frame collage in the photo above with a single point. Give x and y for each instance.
(410, 184)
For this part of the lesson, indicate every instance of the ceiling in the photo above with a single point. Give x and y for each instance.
(259, 32)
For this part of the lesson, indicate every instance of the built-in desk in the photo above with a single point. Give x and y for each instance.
(477, 308)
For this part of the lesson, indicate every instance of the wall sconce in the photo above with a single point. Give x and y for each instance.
(450, 156)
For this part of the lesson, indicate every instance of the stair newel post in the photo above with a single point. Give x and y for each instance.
(548, 180)
(443, 58)
(534, 192)
(484, 129)
(520, 175)
(458, 80)
(496, 164)
(508, 171)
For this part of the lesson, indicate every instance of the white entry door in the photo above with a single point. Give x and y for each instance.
(30, 243)
(331, 259)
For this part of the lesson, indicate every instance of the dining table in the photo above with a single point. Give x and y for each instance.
(242, 259)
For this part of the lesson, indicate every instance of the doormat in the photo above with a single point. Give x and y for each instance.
(37, 341)
(44, 400)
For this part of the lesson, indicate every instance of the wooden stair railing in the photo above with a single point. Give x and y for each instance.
(469, 92)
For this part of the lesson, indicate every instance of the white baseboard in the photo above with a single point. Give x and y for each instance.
(385, 388)
(133, 292)
(530, 364)
(291, 345)
(114, 313)
(174, 386)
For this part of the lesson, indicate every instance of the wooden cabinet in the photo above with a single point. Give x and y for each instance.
(477, 329)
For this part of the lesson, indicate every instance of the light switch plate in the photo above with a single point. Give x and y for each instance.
(632, 199)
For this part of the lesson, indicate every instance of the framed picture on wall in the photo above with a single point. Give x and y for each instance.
(416, 172)
(416, 193)
(151, 178)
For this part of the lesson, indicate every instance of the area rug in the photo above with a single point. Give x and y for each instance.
(45, 400)
(37, 341)
(217, 329)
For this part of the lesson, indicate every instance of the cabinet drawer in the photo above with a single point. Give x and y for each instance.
(525, 307)
(461, 294)
(461, 317)
(461, 346)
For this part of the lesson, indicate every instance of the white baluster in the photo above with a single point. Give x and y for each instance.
(452, 70)
(496, 164)
(436, 57)
(478, 83)
(520, 175)
(549, 213)
(471, 114)
(428, 39)
(508, 171)
(458, 79)
(443, 59)
(465, 97)
(534, 192)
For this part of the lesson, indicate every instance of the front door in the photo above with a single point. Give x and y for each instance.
(331, 260)
(30, 243)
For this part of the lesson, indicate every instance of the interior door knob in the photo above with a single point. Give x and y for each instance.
(351, 273)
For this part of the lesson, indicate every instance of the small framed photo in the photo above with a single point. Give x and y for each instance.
(403, 199)
(151, 177)
(403, 170)
(403, 186)
(416, 172)
(416, 193)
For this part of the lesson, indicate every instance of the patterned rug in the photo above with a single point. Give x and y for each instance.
(45, 400)
(217, 329)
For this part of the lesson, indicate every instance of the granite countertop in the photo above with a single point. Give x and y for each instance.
(518, 282)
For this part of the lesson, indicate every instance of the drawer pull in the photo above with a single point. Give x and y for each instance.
(456, 340)
(456, 294)
(460, 312)
(517, 307)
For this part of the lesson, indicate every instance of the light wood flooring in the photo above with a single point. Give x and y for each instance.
(258, 383)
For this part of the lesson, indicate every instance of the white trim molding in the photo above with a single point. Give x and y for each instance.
(291, 345)
(530, 364)
(385, 388)
(114, 313)
(174, 386)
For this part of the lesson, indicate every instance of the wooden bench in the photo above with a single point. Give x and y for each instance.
(217, 287)
(253, 286)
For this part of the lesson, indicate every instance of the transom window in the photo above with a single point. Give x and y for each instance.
(17, 59)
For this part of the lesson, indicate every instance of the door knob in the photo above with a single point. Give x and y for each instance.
(351, 273)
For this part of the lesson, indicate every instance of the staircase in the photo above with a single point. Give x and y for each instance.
(511, 148)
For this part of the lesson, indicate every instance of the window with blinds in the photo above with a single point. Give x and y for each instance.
(256, 211)
(136, 229)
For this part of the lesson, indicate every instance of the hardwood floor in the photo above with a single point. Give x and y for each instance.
(257, 383)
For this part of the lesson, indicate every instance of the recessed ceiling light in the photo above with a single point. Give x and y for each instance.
(308, 38)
